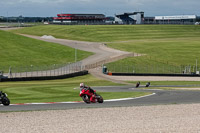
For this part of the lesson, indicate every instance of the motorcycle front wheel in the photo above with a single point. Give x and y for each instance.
(5, 101)
(86, 99)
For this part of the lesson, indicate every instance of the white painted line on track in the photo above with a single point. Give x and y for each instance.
(45, 103)
(110, 100)
(122, 99)
(147, 89)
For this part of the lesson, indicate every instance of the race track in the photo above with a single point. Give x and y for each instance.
(160, 97)
(101, 53)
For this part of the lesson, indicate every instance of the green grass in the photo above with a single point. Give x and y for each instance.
(175, 51)
(113, 33)
(160, 54)
(16, 50)
(165, 45)
(58, 90)
(168, 45)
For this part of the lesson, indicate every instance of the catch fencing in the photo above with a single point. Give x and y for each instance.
(43, 71)
(153, 69)
(57, 70)
(70, 68)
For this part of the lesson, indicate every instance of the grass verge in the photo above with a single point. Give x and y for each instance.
(113, 33)
(19, 51)
(58, 90)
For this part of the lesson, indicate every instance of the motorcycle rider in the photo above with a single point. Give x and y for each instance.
(83, 86)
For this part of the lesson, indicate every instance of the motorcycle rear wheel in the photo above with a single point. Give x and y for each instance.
(100, 99)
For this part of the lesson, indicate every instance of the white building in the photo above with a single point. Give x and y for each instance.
(179, 19)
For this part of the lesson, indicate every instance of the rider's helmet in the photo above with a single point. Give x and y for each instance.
(82, 85)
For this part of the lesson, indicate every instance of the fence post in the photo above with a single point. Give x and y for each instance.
(37, 71)
(41, 72)
(181, 70)
(66, 68)
(54, 69)
(26, 71)
(69, 68)
(31, 70)
(50, 69)
(46, 71)
(19, 72)
(15, 74)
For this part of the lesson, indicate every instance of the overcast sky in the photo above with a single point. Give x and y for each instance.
(50, 8)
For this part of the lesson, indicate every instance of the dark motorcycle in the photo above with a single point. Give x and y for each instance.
(4, 99)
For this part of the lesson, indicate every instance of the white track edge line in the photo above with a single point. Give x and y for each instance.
(122, 99)
(110, 100)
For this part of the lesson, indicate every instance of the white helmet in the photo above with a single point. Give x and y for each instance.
(82, 85)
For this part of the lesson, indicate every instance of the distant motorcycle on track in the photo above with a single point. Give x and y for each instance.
(4, 99)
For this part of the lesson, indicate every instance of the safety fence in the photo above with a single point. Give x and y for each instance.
(57, 70)
(153, 69)
(43, 71)
(70, 68)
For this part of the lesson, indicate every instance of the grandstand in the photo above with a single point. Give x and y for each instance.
(79, 19)
(130, 18)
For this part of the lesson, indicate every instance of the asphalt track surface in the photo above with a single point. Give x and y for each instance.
(159, 98)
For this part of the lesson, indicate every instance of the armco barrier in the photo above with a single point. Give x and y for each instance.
(146, 74)
(81, 73)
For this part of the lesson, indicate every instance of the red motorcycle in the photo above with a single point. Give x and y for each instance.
(90, 97)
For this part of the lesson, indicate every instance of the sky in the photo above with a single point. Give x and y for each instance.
(50, 8)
